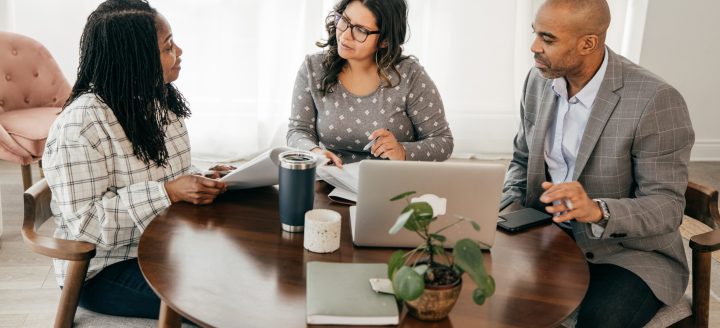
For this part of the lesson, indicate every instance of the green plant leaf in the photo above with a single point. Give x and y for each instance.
(421, 269)
(438, 250)
(468, 256)
(439, 238)
(397, 260)
(474, 224)
(421, 217)
(401, 196)
(408, 284)
(459, 270)
(401, 221)
(479, 297)
(490, 287)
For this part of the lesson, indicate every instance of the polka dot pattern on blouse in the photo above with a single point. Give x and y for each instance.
(341, 122)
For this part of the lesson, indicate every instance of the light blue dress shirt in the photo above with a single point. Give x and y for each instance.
(566, 129)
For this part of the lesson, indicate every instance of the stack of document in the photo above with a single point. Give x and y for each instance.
(344, 180)
(261, 171)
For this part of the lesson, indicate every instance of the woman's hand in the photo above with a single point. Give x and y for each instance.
(333, 158)
(194, 189)
(387, 146)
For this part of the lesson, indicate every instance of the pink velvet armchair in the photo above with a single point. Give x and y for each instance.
(32, 92)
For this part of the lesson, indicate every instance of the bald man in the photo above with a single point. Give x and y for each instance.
(604, 146)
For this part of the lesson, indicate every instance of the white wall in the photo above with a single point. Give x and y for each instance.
(681, 45)
(58, 25)
(5, 23)
(678, 42)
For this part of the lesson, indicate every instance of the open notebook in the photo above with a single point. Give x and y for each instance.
(344, 180)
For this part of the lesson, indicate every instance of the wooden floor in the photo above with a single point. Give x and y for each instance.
(29, 294)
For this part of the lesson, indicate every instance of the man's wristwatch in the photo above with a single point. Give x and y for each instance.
(605, 212)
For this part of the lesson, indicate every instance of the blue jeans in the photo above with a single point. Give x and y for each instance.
(121, 290)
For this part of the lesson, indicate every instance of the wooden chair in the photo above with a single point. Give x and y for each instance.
(37, 211)
(702, 205)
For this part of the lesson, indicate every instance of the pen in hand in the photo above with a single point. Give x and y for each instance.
(372, 142)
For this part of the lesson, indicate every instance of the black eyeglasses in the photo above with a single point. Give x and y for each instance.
(359, 34)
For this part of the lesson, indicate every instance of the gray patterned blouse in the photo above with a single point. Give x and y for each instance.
(341, 122)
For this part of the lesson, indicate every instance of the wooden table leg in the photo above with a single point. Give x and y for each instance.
(168, 317)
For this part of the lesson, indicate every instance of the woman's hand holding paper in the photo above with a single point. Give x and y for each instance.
(194, 189)
(332, 157)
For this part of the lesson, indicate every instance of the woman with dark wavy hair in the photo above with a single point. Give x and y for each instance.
(361, 87)
(119, 154)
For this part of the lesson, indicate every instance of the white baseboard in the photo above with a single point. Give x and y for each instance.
(706, 150)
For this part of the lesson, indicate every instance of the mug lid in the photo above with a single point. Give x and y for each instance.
(297, 159)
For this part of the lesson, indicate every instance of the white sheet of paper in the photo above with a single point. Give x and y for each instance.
(344, 194)
(346, 178)
(261, 171)
(382, 285)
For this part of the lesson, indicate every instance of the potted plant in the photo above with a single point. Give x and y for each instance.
(428, 279)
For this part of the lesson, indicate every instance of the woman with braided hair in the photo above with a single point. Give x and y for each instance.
(119, 153)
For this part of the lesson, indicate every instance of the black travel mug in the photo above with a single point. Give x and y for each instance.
(297, 188)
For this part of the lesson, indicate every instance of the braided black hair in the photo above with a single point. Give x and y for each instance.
(120, 64)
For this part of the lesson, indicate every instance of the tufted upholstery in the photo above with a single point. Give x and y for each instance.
(32, 92)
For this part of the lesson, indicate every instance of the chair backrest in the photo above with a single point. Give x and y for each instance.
(37, 205)
(701, 203)
(29, 76)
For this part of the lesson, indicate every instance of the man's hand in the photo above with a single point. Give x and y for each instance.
(584, 209)
(194, 189)
(387, 146)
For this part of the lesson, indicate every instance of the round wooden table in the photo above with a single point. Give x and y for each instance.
(229, 264)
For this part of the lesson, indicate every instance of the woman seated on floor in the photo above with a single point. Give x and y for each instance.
(119, 154)
(362, 87)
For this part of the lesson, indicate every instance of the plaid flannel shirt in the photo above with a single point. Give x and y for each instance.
(101, 193)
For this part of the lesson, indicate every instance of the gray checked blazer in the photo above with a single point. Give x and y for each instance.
(634, 155)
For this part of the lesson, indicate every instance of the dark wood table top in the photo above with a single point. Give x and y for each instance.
(229, 264)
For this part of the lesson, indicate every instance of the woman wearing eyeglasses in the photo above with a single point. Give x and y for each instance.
(362, 87)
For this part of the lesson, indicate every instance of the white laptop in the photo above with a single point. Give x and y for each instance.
(465, 189)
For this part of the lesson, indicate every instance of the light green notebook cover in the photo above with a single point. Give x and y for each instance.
(340, 294)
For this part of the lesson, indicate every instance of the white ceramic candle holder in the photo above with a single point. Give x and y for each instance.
(322, 231)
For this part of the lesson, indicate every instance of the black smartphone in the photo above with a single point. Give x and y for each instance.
(523, 219)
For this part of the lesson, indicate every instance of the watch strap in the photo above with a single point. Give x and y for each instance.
(605, 212)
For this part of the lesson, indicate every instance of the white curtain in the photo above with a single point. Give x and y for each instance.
(241, 57)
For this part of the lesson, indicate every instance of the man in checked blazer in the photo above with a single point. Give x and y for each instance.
(604, 145)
